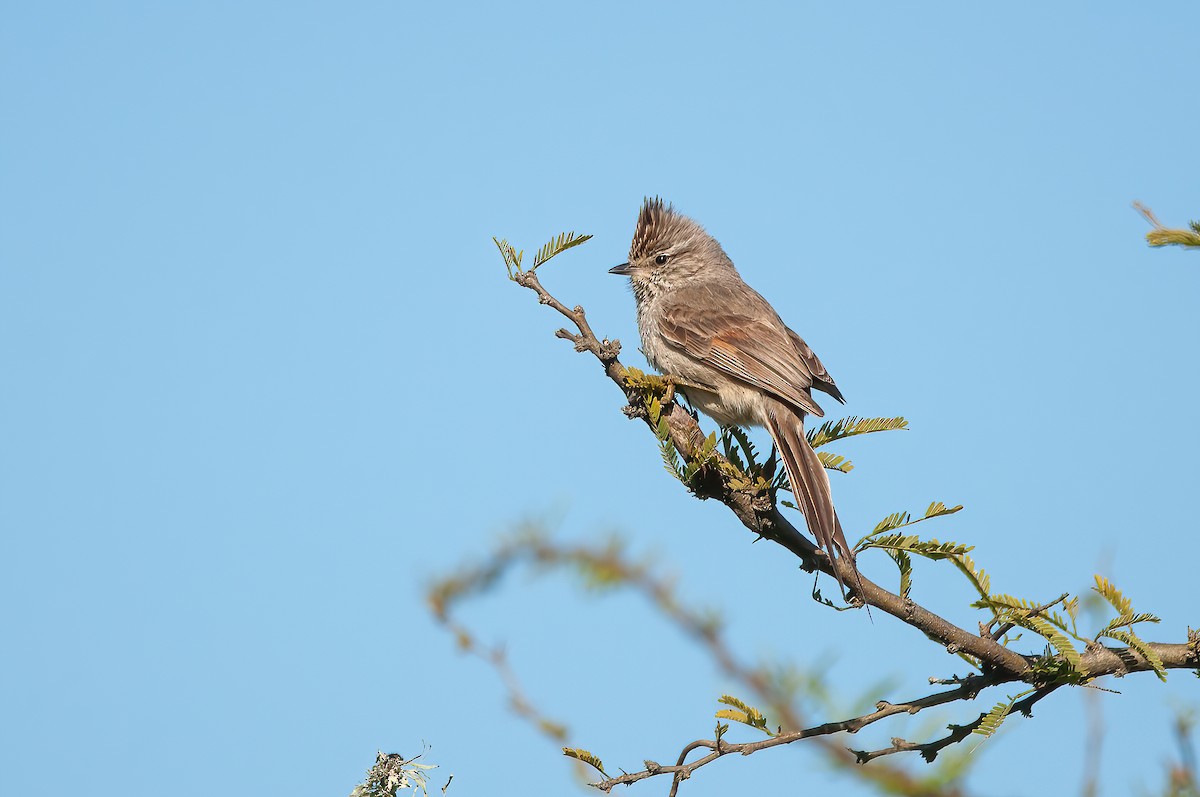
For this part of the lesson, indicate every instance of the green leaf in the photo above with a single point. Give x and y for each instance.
(1113, 595)
(893, 521)
(1020, 612)
(1054, 636)
(731, 451)
(938, 509)
(898, 520)
(1124, 620)
(1006, 603)
(1137, 643)
(743, 713)
(904, 562)
(747, 448)
(835, 462)
(556, 246)
(980, 580)
(930, 549)
(579, 754)
(1166, 237)
(992, 721)
(849, 427)
(512, 258)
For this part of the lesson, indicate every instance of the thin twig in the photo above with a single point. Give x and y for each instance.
(929, 750)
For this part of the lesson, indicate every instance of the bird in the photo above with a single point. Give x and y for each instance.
(731, 355)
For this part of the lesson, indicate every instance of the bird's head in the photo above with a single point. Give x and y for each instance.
(669, 249)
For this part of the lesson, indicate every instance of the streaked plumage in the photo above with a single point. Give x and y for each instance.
(700, 322)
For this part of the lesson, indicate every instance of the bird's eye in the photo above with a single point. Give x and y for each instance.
(661, 260)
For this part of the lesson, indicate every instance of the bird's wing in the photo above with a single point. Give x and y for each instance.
(820, 374)
(740, 338)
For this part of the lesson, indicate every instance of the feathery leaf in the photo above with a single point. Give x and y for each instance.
(512, 258)
(835, 462)
(849, 427)
(556, 246)
(904, 562)
(993, 719)
(579, 754)
(898, 520)
(1137, 643)
(1124, 620)
(1113, 595)
(743, 713)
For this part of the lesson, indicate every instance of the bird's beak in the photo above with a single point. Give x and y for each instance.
(622, 270)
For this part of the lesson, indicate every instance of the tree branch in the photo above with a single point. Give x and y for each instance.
(929, 750)
(763, 517)
(758, 512)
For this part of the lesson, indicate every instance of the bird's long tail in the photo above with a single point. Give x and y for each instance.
(810, 485)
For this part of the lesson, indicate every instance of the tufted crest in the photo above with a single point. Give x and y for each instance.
(660, 226)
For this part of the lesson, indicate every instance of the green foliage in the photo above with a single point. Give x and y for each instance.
(747, 472)
(900, 546)
(898, 520)
(1055, 628)
(1114, 596)
(830, 431)
(1120, 627)
(556, 246)
(687, 471)
(512, 258)
(1189, 239)
(930, 549)
(662, 430)
(743, 713)
(651, 384)
(835, 462)
(703, 457)
(1068, 623)
(579, 754)
(904, 562)
(991, 721)
(1048, 631)
(1165, 236)
(1137, 643)
(976, 575)
(1009, 611)
(655, 393)
(741, 460)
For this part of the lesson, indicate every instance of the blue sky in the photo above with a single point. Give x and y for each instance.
(264, 376)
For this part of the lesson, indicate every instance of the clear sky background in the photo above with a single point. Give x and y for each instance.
(264, 377)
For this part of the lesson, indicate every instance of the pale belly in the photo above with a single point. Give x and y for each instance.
(734, 405)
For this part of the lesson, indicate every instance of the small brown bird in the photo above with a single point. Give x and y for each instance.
(737, 362)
